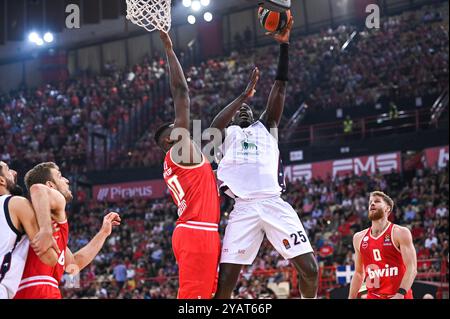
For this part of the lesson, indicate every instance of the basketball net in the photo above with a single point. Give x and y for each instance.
(150, 14)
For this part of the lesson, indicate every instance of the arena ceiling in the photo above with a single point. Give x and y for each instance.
(19, 17)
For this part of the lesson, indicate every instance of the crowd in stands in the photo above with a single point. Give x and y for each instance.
(407, 57)
(53, 122)
(137, 260)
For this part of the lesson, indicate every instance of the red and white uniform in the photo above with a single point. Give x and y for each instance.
(40, 281)
(383, 265)
(195, 240)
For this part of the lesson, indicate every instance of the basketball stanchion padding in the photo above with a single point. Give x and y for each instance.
(150, 14)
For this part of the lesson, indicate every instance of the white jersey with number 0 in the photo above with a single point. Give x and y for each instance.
(251, 165)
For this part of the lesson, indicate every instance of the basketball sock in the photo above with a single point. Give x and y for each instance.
(283, 63)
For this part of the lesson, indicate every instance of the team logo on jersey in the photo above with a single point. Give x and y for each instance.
(286, 243)
(365, 243)
(249, 148)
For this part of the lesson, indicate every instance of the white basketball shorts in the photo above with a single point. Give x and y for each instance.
(250, 220)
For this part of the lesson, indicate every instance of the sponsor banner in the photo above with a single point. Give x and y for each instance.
(384, 163)
(436, 157)
(150, 189)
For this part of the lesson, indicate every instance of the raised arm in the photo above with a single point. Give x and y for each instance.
(83, 257)
(403, 237)
(41, 201)
(225, 116)
(178, 85)
(184, 152)
(358, 276)
(25, 213)
(275, 105)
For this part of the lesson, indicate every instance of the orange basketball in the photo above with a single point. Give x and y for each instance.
(273, 21)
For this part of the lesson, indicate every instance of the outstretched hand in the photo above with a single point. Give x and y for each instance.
(110, 220)
(250, 90)
(283, 35)
(167, 41)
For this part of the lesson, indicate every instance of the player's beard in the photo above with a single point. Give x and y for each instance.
(376, 215)
(13, 188)
(66, 193)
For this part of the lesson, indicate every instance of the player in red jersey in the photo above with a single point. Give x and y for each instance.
(193, 186)
(384, 255)
(18, 225)
(50, 191)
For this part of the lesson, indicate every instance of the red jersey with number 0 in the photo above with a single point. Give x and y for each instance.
(194, 190)
(383, 264)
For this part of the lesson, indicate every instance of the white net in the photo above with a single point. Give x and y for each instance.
(150, 14)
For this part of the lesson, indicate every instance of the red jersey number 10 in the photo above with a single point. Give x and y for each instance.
(176, 188)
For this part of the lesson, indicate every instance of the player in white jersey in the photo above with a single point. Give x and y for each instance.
(17, 226)
(251, 172)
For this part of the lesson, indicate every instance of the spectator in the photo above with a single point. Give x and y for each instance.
(120, 275)
(348, 125)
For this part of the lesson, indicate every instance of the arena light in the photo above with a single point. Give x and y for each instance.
(196, 6)
(191, 19)
(205, 3)
(33, 37)
(187, 3)
(40, 42)
(208, 16)
(48, 37)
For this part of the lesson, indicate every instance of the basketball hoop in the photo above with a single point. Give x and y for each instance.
(150, 14)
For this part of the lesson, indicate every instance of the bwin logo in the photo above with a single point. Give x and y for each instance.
(386, 272)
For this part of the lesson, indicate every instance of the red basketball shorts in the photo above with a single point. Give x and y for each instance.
(196, 247)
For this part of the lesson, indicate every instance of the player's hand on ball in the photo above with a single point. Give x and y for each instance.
(254, 77)
(284, 35)
(110, 220)
(167, 41)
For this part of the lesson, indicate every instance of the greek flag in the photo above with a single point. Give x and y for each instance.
(344, 274)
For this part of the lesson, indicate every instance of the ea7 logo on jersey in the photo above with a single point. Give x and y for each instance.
(62, 258)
